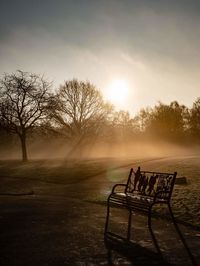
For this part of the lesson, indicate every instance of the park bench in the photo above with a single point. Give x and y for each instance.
(142, 191)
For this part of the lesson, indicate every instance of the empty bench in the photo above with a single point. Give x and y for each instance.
(142, 191)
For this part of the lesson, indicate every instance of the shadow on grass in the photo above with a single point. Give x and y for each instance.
(134, 253)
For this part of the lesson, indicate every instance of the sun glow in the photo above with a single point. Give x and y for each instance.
(117, 92)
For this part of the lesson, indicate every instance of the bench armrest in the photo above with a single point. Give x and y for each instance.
(118, 185)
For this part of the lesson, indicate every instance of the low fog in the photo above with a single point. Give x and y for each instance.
(63, 150)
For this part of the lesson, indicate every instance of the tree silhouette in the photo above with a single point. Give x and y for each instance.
(168, 122)
(194, 119)
(143, 119)
(23, 100)
(122, 126)
(79, 108)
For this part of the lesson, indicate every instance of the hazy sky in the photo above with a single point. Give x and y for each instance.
(153, 45)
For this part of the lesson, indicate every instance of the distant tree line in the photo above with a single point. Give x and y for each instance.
(77, 113)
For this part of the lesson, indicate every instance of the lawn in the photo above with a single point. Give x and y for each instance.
(92, 179)
(53, 212)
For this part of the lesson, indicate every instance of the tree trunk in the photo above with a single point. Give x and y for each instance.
(23, 146)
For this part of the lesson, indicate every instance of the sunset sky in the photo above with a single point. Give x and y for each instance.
(151, 46)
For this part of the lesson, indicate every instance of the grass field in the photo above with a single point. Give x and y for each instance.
(93, 179)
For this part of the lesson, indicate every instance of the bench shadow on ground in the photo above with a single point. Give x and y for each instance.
(133, 253)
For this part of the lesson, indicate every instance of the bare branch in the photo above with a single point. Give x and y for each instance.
(23, 101)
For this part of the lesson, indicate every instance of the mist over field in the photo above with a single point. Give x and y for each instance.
(61, 149)
(50, 169)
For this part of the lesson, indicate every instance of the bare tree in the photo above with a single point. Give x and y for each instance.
(169, 122)
(80, 110)
(143, 119)
(194, 120)
(23, 101)
(122, 126)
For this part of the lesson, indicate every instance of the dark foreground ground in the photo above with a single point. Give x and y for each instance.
(63, 225)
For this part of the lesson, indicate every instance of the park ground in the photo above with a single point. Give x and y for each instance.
(53, 212)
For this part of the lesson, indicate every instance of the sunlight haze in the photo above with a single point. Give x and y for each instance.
(118, 93)
(154, 45)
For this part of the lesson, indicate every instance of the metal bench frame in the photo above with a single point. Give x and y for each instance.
(144, 190)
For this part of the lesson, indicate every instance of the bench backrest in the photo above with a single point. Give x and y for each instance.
(151, 183)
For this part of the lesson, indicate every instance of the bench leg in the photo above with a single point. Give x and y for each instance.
(109, 254)
(107, 217)
(152, 233)
(129, 225)
(181, 237)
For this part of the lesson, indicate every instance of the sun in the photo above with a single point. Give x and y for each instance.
(117, 92)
